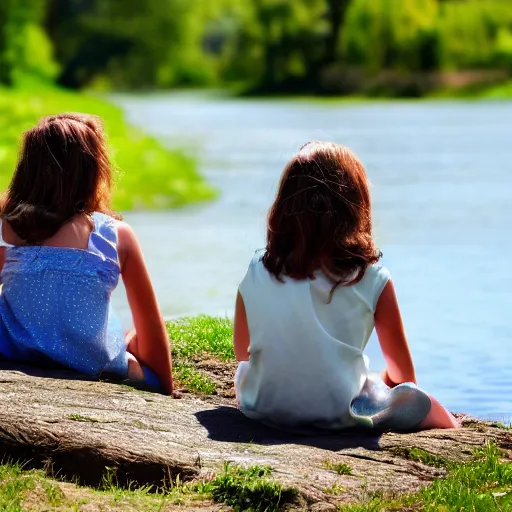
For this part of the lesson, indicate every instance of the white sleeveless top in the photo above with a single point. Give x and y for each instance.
(306, 355)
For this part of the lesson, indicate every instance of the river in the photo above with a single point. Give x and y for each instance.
(442, 197)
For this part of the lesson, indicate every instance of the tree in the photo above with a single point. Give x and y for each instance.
(384, 34)
(25, 50)
(153, 43)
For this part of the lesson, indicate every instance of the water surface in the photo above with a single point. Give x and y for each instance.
(442, 194)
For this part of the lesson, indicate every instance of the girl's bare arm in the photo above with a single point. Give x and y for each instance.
(392, 339)
(153, 348)
(241, 339)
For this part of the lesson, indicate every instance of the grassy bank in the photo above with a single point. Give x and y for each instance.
(148, 174)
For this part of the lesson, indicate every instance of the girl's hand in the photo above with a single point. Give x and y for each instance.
(150, 345)
(392, 339)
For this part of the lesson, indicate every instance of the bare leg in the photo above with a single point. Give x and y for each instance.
(135, 371)
(131, 342)
(438, 417)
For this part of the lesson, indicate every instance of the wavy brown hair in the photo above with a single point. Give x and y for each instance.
(321, 217)
(63, 170)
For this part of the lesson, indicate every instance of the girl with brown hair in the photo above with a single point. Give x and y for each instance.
(62, 250)
(309, 303)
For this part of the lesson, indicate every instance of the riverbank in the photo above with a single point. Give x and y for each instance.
(499, 92)
(74, 444)
(149, 175)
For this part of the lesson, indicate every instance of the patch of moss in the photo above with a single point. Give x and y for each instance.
(420, 455)
(79, 417)
(340, 467)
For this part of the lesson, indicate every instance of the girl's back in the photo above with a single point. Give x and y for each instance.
(308, 304)
(62, 251)
(307, 361)
(55, 302)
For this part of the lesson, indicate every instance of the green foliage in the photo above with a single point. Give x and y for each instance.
(129, 44)
(383, 34)
(474, 33)
(249, 489)
(25, 51)
(256, 45)
(148, 175)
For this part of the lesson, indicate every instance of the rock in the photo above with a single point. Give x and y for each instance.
(85, 429)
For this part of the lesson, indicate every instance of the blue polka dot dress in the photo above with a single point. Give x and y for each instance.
(55, 304)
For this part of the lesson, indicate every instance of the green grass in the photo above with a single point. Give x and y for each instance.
(148, 174)
(481, 485)
(338, 467)
(196, 338)
(245, 489)
(249, 489)
(13, 485)
(190, 378)
(193, 337)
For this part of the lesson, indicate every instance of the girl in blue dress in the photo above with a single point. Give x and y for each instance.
(62, 250)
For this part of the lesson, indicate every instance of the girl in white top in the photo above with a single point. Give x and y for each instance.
(308, 305)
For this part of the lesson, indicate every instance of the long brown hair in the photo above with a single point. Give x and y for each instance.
(63, 170)
(321, 217)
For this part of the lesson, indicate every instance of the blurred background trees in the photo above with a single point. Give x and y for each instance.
(403, 47)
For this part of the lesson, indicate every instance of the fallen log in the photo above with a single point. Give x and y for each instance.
(86, 430)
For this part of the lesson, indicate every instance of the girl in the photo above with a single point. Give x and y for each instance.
(61, 252)
(308, 304)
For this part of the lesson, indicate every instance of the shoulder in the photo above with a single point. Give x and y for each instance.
(105, 225)
(127, 243)
(376, 272)
(124, 230)
(256, 271)
(256, 264)
(375, 278)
